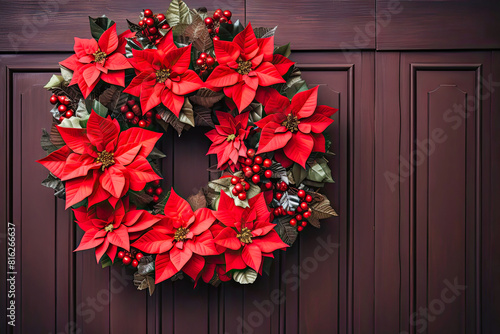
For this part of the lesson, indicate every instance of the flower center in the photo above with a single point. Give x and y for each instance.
(231, 137)
(244, 67)
(291, 123)
(106, 158)
(162, 75)
(245, 236)
(99, 56)
(180, 234)
(109, 228)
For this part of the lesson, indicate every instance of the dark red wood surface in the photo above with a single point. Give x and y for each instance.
(397, 244)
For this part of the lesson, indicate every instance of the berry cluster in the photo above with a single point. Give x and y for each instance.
(213, 23)
(205, 62)
(154, 190)
(63, 103)
(133, 257)
(301, 214)
(150, 25)
(240, 187)
(257, 166)
(133, 114)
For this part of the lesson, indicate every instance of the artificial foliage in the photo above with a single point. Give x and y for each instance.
(187, 68)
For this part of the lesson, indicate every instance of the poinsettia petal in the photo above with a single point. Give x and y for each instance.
(266, 46)
(102, 132)
(56, 161)
(75, 138)
(108, 42)
(172, 101)
(227, 238)
(119, 237)
(71, 62)
(164, 268)
(116, 62)
(85, 47)
(177, 206)
(299, 148)
(91, 75)
(78, 165)
(116, 78)
(226, 52)
(269, 242)
(140, 172)
(203, 244)
(101, 249)
(178, 60)
(179, 257)
(150, 95)
(154, 242)
(145, 61)
(223, 76)
(146, 221)
(273, 101)
(189, 83)
(234, 260)
(304, 103)
(281, 63)
(204, 219)
(126, 153)
(98, 194)
(247, 42)
(146, 138)
(319, 142)
(194, 266)
(167, 43)
(88, 241)
(134, 88)
(82, 84)
(318, 123)
(252, 256)
(271, 141)
(78, 189)
(325, 111)
(113, 181)
(268, 74)
(241, 93)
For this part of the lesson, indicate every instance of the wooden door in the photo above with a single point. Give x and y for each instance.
(417, 150)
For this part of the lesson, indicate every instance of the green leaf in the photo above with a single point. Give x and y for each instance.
(261, 32)
(299, 173)
(140, 198)
(156, 154)
(46, 144)
(95, 105)
(178, 13)
(186, 115)
(319, 171)
(106, 261)
(284, 50)
(55, 81)
(55, 183)
(99, 25)
(247, 276)
(287, 232)
(66, 73)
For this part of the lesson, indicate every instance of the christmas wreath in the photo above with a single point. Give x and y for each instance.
(189, 67)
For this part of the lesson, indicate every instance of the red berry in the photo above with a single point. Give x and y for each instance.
(300, 228)
(135, 120)
(210, 30)
(210, 61)
(150, 22)
(141, 23)
(53, 99)
(242, 196)
(298, 217)
(309, 198)
(62, 108)
(136, 109)
(277, 211)
(124, 108)
(149, 191)
(283, 186)
(304, 206)
(301, 193)
(256, 179)
(126, 260)
(209, 21)
(142, 123)
(307, 214)
(218, 10)
(165, 26)
(293, 221)
(149, 114)
(148, 12)
(227, 14)
(131, 102)
(153, 30)
(61, 119)
(61, 99)
(247, 169)
(256, 168)
(229, 22)
(135, 263)
(278, 196)
(158, 116)
(139, 256)
(69, 113)
(258, 160)
(248, 174)
(235, 192)
(235, 180)
(129, 115)
(268, 173)
(223, 20)
(217, 15)
(216, 38)
(200, 62)
(158, 191)
(251, 153)
(290, 213)
(156, 198)
(160, 17)
(203, 55)
(121, 254)
(217, 30)
(267, 163)
(156, 183)
(239, 187)
(248, 161)
(66, 101)
(246, 185)
(304, 223)
(268, 185)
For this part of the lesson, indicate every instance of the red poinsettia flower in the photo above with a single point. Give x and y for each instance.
(94, 60)
(106, 228)
(163, 76)
(294, 126)
(245, 64)
(102, 163)
(228, 139)
(181, 239)
(248, 235)
(215, 268)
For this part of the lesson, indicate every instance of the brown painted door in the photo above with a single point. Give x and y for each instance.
(417, 154)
